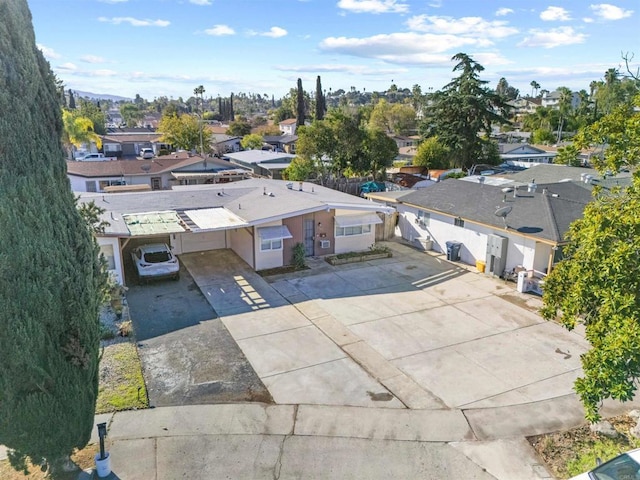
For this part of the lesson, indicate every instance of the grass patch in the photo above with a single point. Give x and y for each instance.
(121, 382)
(574, 451)
(83, 458)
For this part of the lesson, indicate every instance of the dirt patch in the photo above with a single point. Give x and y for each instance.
(83, 458)
(574, 451)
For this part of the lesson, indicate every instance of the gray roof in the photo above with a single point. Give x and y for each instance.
(552, 173)
(259, 156)
(249, 199)
(545, 216)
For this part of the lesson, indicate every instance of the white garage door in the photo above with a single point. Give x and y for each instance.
(198, 242)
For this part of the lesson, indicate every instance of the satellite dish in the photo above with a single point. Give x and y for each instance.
(146, 167)
(503, 212)
(507, 190)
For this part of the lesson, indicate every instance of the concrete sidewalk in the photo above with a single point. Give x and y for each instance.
(309, 441)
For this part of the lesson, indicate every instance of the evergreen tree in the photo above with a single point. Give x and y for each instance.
(464, 109)
(232, 115)
(220, 108)
(321, 106)
(72, 101)
(53, 280)
(300, 104)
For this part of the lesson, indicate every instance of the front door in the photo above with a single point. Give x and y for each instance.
(309, 233)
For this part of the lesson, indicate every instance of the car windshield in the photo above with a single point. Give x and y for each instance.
(157, 257)
(620, 468)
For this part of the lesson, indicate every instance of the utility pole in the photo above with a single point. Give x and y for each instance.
(200, 91)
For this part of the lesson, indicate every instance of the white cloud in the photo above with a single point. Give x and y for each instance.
(48, 52)
(113, 1)
(556, 37)
(407, 47)
(373, 6)
(588, 20)
(92, 59)
(200, 2)
(220, 30)
(68, 66)
(339, 68)
(135, 22)
(607, 11)
(101, 73)
(468, 26)
(555, 14)
(273, 32)
(501, 12)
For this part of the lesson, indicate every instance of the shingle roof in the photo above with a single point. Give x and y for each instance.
(167, 163)
(545, 216)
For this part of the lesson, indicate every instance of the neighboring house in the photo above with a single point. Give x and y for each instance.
(259, 219)
(261, 162)
(282, 143)
(159, 173)
(524, 155)
(530, 236)
(127, 142)
(523, 106)
(552, 100)
(403, 142)
(223, 143)
(546, 174)
(288, 126)
(151, 120)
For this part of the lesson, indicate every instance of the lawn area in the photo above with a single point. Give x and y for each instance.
(121, 383)
(83, 458)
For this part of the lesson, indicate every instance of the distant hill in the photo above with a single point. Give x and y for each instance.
(100, 96)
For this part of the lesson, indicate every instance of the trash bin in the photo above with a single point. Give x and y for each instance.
(480, 265)
(453, 251)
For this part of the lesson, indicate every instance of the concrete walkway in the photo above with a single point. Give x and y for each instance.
(408, 367)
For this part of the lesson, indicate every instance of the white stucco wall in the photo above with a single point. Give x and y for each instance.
(108, 245)
(268, 258)
(242, 243)
(354, 243)
(520, 250)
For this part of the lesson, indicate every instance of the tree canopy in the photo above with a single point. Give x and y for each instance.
(598, 282)
(53, 279)
(464, 110)
(432, 154)
(253, 141)
(183, 132)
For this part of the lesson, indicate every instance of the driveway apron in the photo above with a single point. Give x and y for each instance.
(411, 331)
(187, 354)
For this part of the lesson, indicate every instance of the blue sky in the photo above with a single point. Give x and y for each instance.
(169, 47)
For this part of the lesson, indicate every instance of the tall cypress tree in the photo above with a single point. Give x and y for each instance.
(72, 101)
(232, 115)
(52, 279)
(300, 106)
(321, 107)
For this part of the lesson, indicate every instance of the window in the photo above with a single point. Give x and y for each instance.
(423, 218)
(107, 253)
(90, 185)
(458, 222)
(275, 244)
(354, 230)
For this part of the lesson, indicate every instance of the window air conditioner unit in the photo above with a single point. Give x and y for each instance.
(325, 243)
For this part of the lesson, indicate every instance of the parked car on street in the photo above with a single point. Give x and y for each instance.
(625, 466)
(155, 261)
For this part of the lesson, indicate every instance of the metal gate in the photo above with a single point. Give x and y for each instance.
(309, 234)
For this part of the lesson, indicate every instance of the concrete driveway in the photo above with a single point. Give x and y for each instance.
(411, 331)
(187, 354)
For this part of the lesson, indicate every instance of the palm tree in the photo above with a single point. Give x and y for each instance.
(78, 131)
(564, 105)
(535, 86)
(611, 76)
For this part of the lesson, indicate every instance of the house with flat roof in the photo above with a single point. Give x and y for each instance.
(261, 220)
(262, 162)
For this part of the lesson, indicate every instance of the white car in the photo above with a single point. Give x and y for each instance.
(625, 466)
(147, 153)
(155, 261)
